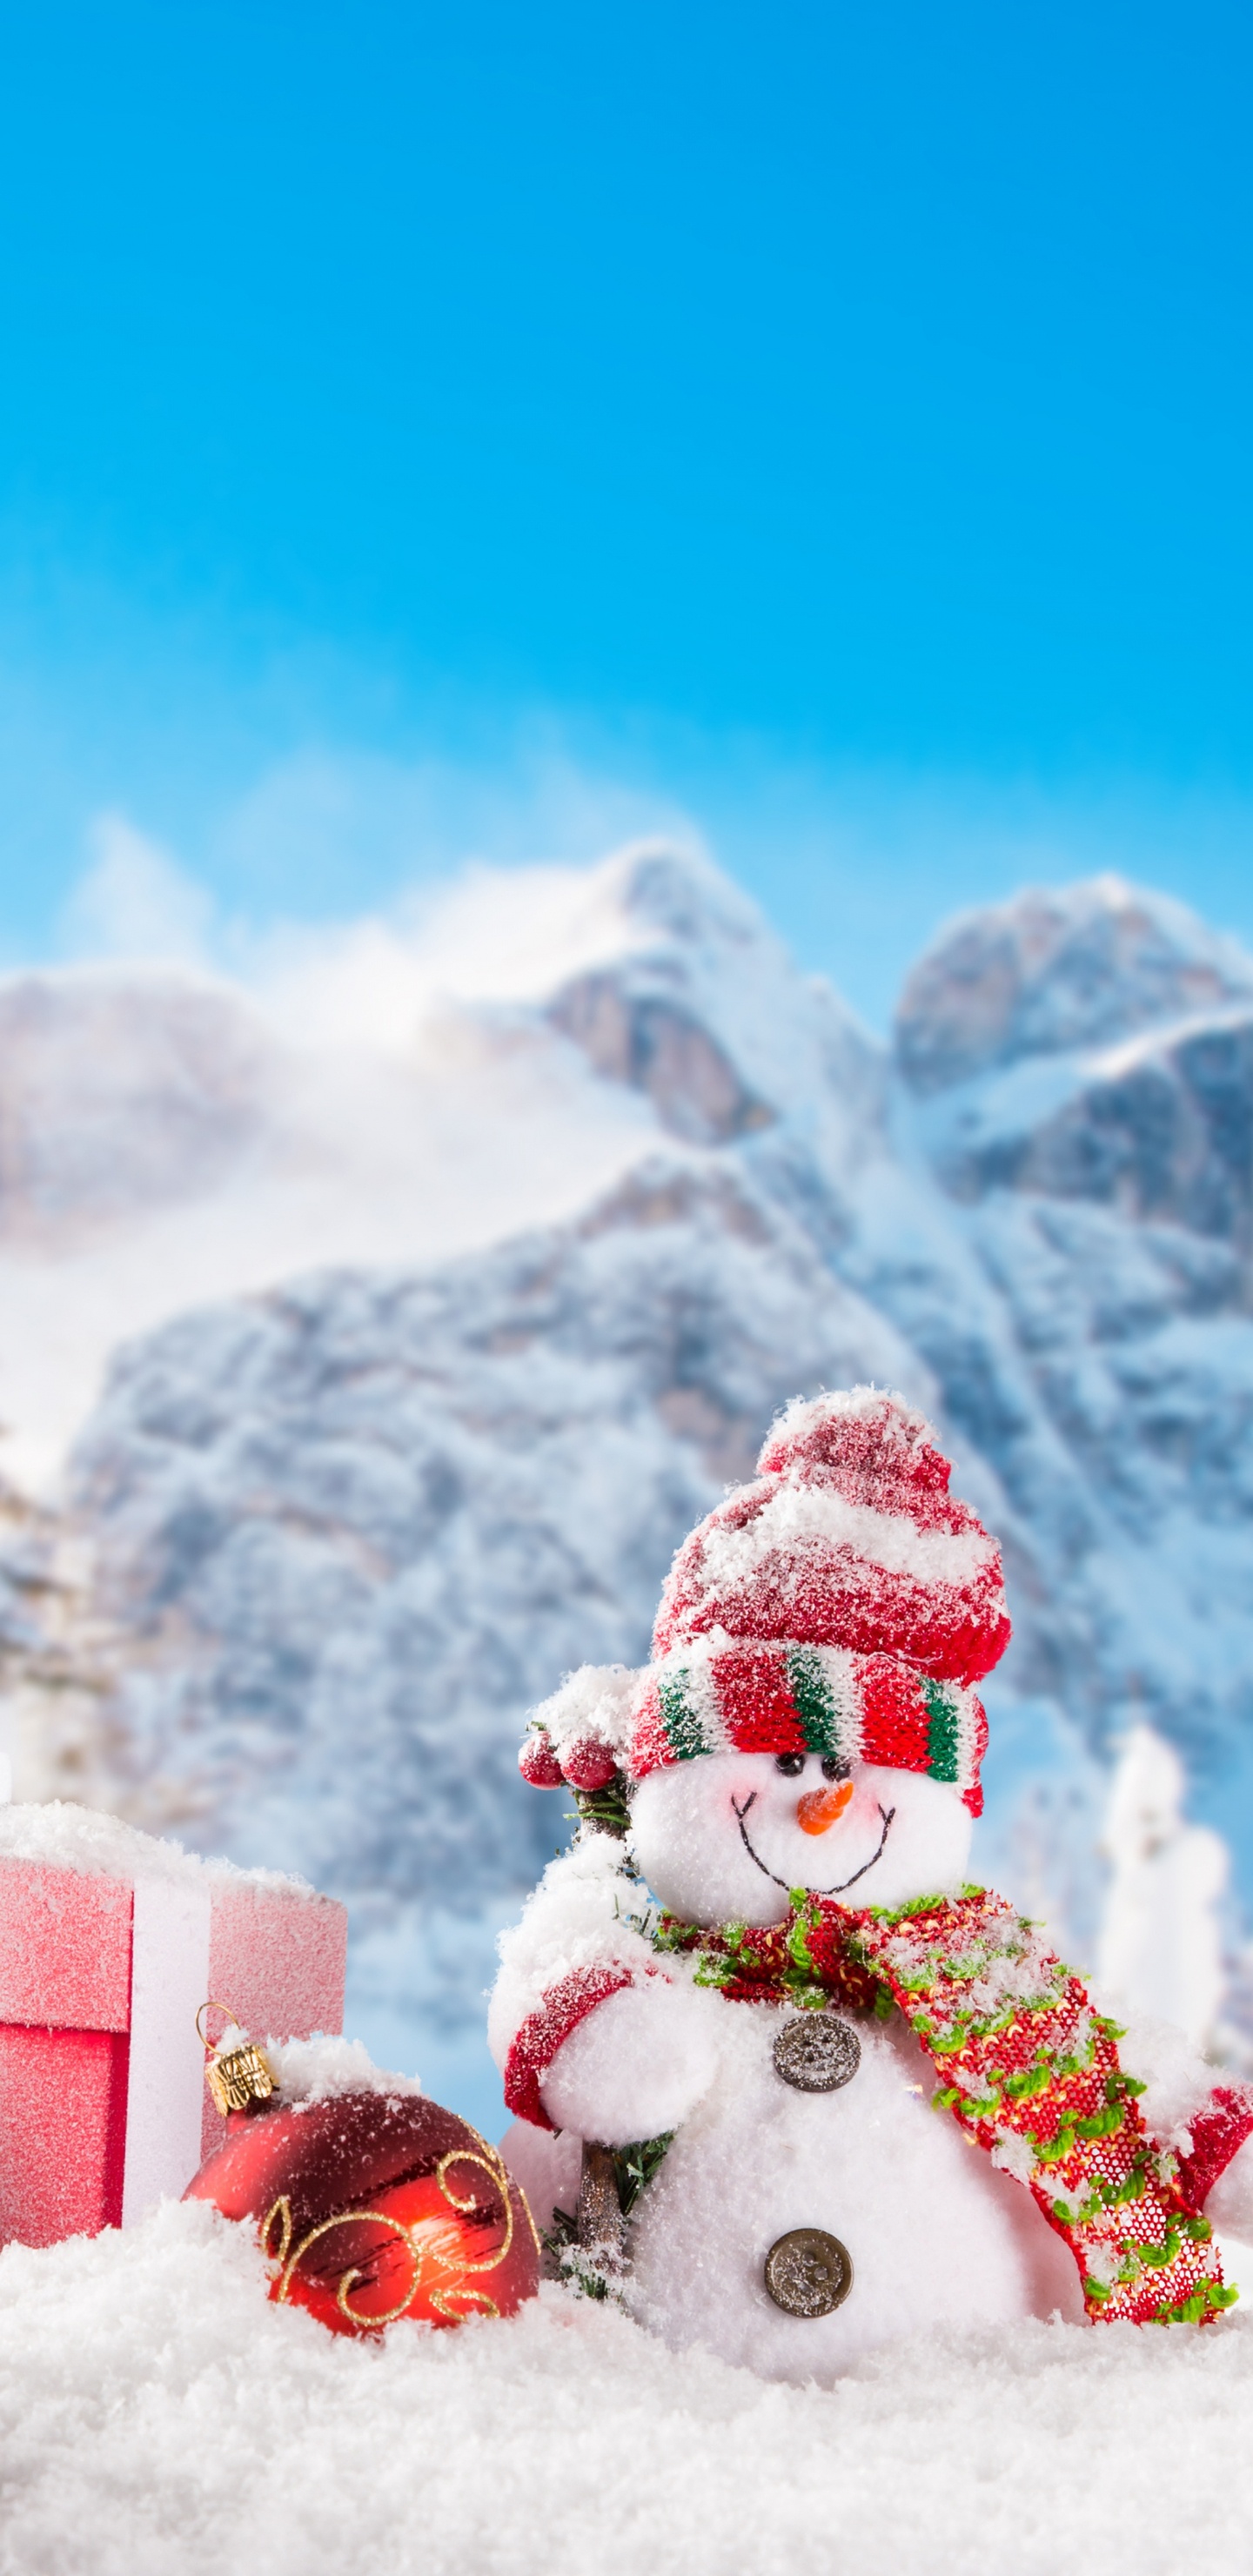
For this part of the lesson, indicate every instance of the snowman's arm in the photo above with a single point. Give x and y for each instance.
(612, 2057)
(634, 2066)
(526, 2047)
(578, 1936)
(590, 2030)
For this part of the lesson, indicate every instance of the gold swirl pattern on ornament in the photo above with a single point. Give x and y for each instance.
(427, 2253)
(282, 2211)
(493, 2164)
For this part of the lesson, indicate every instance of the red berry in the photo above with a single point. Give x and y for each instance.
(538, 1762)
(589, 1765)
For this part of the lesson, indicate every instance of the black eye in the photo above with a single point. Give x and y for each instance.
(789, 1764)
(833, 1768)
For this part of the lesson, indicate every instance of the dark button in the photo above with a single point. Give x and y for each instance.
(816, 2052)
(808, 2272)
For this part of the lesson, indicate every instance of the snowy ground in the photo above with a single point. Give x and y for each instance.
(157, 2415)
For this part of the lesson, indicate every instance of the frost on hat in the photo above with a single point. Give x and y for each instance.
(844, 1603)
(849, 1537)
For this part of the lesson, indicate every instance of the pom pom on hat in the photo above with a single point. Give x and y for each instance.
(866, 1443)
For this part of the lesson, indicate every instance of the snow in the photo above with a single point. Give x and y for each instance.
(323, 2068)
(67, 1836)
(1161, 1942)
(583, 1914)
(597, 1700)
(158, 2415)
(890, 1540)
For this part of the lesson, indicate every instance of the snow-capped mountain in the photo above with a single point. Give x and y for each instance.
(344, 1528)
(167, 1138)
(356, 1528)
(1092, 1132)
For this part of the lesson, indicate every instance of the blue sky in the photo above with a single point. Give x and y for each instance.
(426, 430)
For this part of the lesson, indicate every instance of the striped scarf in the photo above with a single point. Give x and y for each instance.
(1027, 2067)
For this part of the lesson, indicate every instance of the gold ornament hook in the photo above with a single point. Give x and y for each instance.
(232, 2021)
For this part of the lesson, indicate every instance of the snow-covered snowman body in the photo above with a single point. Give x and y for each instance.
(812, 2203)
(935, 2234)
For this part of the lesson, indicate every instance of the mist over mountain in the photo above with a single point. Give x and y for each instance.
(579, 1232)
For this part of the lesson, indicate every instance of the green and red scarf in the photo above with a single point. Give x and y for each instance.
(1028, 2068)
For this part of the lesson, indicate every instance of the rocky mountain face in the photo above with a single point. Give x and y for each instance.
(1097, 1163)
(1096, 1050)
(350, 1532)
(167, 1139)
(344, 1532)
(1054, 972)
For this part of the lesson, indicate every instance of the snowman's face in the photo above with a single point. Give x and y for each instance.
(723, 1838)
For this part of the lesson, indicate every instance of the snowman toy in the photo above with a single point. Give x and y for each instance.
(791, 2084)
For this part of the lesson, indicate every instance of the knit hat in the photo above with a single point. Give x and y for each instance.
(844, 1604)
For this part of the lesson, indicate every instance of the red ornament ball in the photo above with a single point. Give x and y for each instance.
(372, 2206)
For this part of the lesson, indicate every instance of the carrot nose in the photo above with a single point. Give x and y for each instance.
(820, 1807)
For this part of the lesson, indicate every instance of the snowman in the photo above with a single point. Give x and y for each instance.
(791, 2085)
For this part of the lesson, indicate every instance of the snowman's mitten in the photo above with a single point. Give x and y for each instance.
(635, 2067)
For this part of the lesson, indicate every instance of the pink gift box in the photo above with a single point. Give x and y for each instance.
(109, 1943)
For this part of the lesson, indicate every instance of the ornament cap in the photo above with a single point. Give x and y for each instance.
(238, 2078)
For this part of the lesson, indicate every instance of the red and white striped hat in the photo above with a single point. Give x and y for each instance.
(844, 1603)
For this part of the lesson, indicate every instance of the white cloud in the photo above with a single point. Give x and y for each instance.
(333, 821)
(134, 902)
(484, 934)
(329, 863)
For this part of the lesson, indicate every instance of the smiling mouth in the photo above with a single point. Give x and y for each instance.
(887, 1813)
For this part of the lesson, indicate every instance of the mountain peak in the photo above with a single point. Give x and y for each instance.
(1058, 968)
(682, 894)
(694, 1000)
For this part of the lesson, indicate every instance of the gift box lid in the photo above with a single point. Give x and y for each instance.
(69, 1878)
